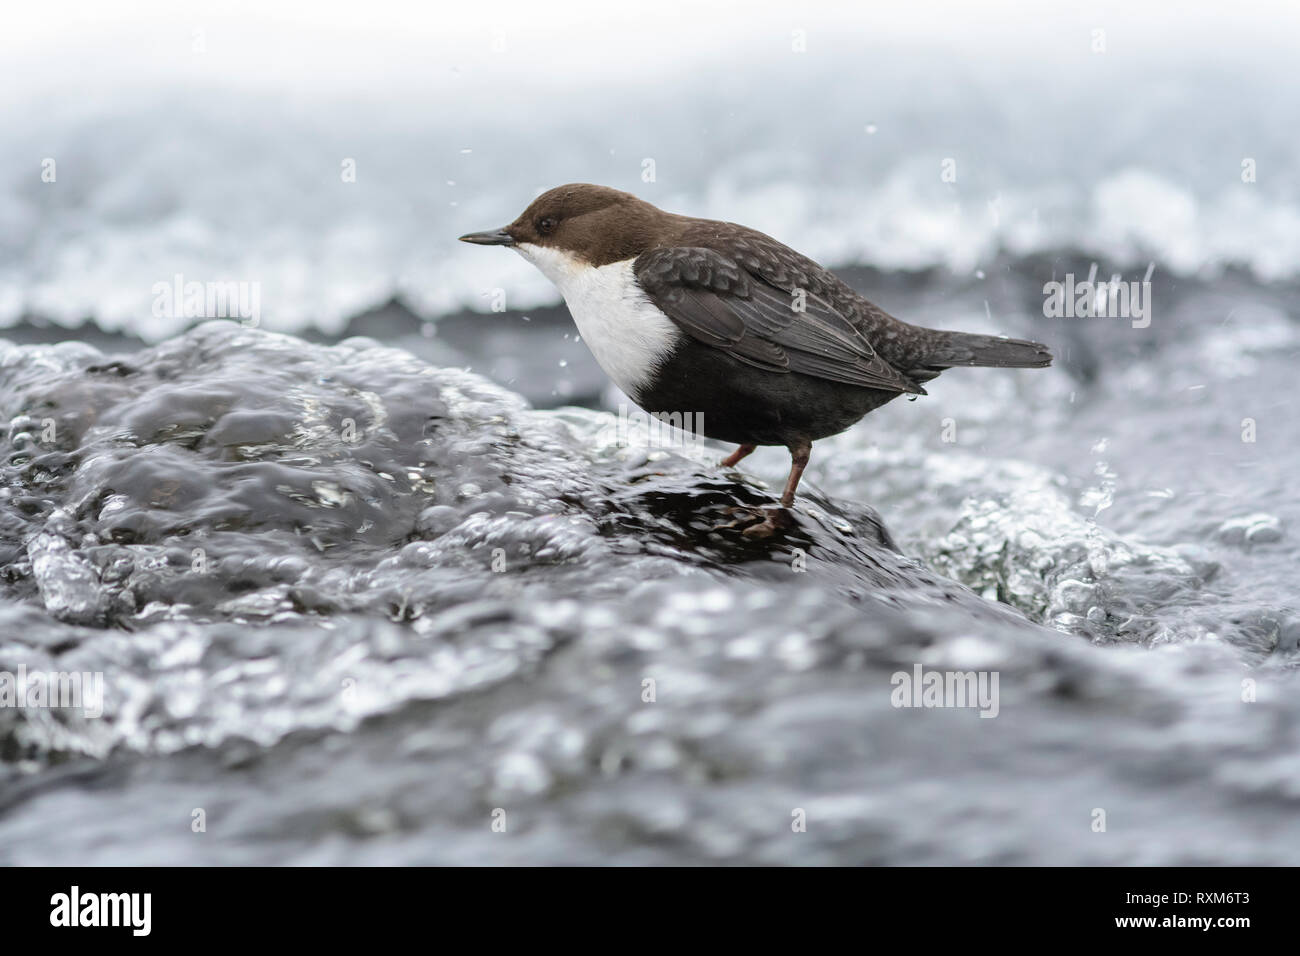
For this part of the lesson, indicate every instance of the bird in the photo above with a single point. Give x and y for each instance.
(757, 342)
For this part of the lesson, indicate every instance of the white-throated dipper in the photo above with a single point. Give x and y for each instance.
(761, 345)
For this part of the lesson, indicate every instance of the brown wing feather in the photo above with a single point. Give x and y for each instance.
(754, 309)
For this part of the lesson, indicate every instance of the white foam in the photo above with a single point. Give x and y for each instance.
(236, 174)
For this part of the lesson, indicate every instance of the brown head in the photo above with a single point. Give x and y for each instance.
(594, 225)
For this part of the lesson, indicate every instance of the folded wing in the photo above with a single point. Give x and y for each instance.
(718, 302)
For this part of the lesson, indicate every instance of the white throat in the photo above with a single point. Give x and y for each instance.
(625, 331)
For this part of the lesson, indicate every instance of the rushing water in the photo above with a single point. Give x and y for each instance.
(390, 590)
(356, 608)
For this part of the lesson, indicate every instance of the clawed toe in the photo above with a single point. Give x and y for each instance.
(763, 529)
(757, 523)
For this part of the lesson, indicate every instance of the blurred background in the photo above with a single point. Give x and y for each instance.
(209, 139)
(1134, 505)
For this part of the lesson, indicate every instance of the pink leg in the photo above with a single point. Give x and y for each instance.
(734, 458)
(799, 454)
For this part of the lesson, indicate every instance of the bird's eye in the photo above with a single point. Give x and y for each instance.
(545, 224)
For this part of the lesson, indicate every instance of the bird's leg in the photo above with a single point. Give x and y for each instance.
(775, 518)
(799, 453)
(734, 458)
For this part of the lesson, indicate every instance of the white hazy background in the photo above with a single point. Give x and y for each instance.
(207, 139)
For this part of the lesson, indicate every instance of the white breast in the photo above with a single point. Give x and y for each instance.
(625, 331)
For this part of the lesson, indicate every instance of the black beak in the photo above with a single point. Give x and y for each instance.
(494, 237)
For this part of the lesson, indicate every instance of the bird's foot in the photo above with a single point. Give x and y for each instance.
(758, 523)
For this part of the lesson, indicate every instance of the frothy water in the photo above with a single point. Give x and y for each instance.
(329, 206)
(356, 608)
(354, 603)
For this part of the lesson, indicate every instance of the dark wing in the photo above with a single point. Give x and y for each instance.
(716, 301)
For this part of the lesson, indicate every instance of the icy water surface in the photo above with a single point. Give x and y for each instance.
(356, 607)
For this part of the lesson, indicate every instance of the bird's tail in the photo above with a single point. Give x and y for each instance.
(949, 349)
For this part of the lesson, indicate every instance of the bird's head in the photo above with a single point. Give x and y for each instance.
(578, 225)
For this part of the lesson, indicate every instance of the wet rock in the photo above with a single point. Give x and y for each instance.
(237, 461)
(350, 596)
